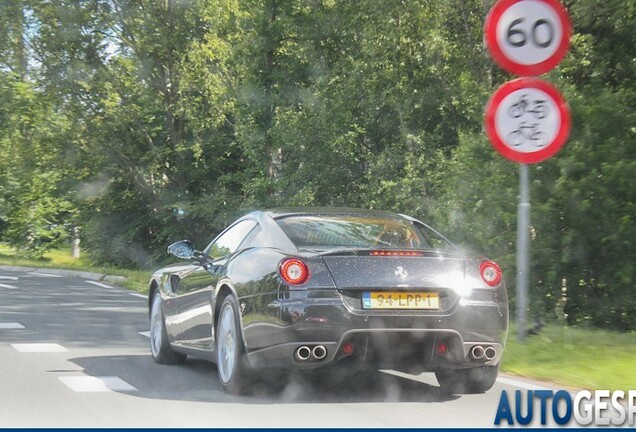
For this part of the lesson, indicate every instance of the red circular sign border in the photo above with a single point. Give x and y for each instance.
(533, 157)
(490, 31)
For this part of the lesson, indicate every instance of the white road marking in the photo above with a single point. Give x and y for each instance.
(45, 274)
(146, 334)
(13, 278)
(99, 284)
(96, 384)
(39, 348)
(11, 326)
(139, 295)
(8, 286)
(521, 384)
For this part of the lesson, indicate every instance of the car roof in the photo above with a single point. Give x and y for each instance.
(317, 211)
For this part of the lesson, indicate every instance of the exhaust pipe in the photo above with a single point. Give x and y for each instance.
(477, 352)
(303, 353)
(490, 353)
(319, 352)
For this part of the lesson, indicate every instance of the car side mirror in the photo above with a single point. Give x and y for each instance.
(183, 249)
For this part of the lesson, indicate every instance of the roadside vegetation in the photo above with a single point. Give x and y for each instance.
(575, 357)
(136, 280)
(135, 124)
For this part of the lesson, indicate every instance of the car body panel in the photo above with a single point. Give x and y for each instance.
(276, 317)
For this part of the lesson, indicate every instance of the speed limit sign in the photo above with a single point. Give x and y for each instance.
(527, 37)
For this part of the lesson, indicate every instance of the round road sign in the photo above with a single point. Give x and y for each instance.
(527, 37)
(527, 120)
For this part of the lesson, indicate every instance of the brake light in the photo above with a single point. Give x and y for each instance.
(395, 253)
(490, 273)
(293, 271)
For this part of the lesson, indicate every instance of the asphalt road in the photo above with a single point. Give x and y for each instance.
(74, 353)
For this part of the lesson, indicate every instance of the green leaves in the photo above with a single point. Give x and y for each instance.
(149, 122)
(32, 208)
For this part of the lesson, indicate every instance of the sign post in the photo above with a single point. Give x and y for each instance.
(523, 250)
(527, 119)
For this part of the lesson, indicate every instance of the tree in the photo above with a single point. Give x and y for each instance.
(145, 122)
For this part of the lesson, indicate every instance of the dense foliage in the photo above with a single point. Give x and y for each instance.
(142, 122)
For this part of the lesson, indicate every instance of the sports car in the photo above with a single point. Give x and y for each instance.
(328, 288)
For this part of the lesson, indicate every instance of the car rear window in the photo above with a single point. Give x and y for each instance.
(309, 231)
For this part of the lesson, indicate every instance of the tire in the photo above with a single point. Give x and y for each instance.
(467, 381)
(160, 348)
(231, 362)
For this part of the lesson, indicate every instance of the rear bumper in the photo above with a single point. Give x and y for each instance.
(396, 339)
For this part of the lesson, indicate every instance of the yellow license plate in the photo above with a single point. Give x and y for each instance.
(399, 300)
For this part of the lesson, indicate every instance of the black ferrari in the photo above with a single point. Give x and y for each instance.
(314, 288)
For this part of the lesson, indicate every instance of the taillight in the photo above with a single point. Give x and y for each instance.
(490, 273)
(294, 271)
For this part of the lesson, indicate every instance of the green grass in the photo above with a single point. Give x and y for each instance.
(573, 357)
(583, 358)
(136, 280)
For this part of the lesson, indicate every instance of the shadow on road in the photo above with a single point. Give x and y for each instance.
(196, 380)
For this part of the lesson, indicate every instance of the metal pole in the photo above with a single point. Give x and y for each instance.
(523, 250)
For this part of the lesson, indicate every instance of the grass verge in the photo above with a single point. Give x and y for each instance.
(583, 358)
(570, 356)
(136, 280)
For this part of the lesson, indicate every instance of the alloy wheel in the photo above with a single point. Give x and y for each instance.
(156, 324)
(227, 343)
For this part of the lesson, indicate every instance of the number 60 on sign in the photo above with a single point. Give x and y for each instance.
(527, 37)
